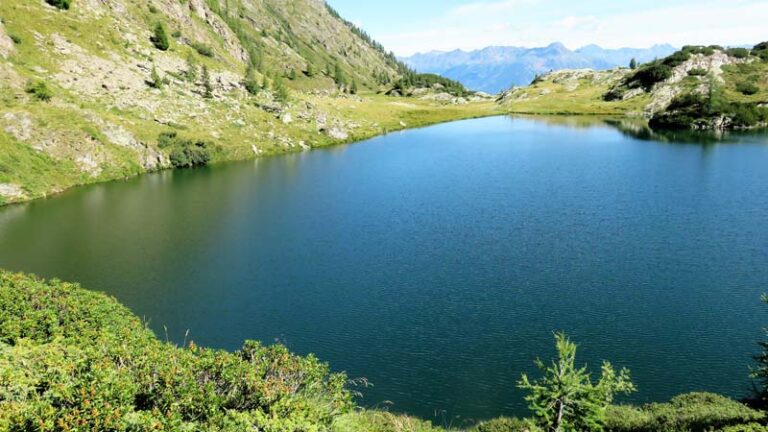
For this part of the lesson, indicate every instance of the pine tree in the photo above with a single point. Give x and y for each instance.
(155, 80)
(353, 88)
(565, 398)
(633, 64)
(207, 87)
(160, 38)
(310, 70)
(191, 74)
(292, 75)
(338, 76)
(251, 83)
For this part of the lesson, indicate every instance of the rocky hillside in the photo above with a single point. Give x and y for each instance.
(730, 82)
(94, 90)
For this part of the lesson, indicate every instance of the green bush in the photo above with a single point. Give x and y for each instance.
(184, 153)
(739, 53)
(752, 427)
(648, 75)
(16, 39)
(677, 58)
(747, 88)
(202, 49)
(160, 38)
(694, 412)
(76, 360)
(506, 424)
(698, 72)
(61, 4)
(39, 90)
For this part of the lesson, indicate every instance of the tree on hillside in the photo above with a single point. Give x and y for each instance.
(633, 64)
(338, 76)
(565, 399)
(353, 88)
(160, 38)
(761, 372)
(207, 86)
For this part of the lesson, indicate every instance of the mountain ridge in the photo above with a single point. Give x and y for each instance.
(496, 68)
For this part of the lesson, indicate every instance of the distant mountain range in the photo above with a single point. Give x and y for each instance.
(495, 69)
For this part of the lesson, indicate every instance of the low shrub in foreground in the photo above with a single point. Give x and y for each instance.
(507, 424)
(40, 90)
(185, 153)
(694, 412)
(76, 360)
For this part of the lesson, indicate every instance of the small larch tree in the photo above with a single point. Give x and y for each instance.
(760, 373)
(207, 86)
(565, 399)
(160, 38)
(633, 64)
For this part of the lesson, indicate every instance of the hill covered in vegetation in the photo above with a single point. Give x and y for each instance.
(697, 87)
(76, 360)
(88, 88)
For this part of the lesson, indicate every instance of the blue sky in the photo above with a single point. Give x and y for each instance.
(409, 26)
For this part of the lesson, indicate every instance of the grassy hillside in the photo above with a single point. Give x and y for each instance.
(87, 90)
(697, 87)
(76, 360)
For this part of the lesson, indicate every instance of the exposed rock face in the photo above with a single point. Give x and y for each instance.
(6, 44)
(11, 192)
(664, 92)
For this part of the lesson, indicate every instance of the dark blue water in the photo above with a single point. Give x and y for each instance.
(438, 262)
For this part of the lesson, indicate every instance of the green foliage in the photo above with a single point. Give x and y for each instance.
(381, 421)
(153, 9)
(72, 359)
(565, 398)
(202, 49)
(39, 90)
(192, 68)
(747, 88)
(160, 38)
(207, 86)
(61, 4)
(411, 80)
(155, 81)
(698, 72)
(695, 111)
(251, 83)
(353, 88)
(648, 75)
(16, 39)
(311, 71)
(506, 424)
(760, 373)
(338, 75)
(700, 49)
(184, 153)
(739, 53)
(694, 412)
(633, 64)
(281, 91)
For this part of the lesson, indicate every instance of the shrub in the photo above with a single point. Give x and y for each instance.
(160, 38)
(739, 53)
(16, 39)
(685, 413)
(72, 359)
(506, 424)
(698, 72)
(747, 88)
(202, 49)
(251, 83)
(647, 76)
(39, 90)
(677, 58)
(61, 4)
(184, 153)
(155, 81)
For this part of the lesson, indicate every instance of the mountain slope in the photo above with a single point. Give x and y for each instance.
(494, 69)
(697, 87)
(87, 91)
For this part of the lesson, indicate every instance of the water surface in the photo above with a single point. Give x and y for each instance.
(437, 262)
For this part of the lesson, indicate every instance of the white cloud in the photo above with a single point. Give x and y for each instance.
(520, 23)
